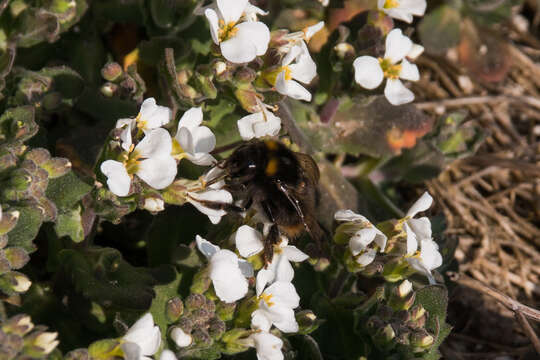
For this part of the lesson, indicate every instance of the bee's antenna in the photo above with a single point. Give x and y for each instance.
(226, 147)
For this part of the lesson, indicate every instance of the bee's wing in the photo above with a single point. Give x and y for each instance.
(311, 170)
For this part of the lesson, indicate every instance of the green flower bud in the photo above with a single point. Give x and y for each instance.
(205, 86)
(384, 336)
(200, 317)
(307, 321)
(14, 282)
(418, 316)
(202, 338)
(245, 75)
(112, 71)
(209, 306)
(402, 296)
(106, 349)
(5, 266)
(108, 89)
(421, 340)
(186, 324)
(225, 311)
(221, 71)
(234, 341)
(201, 282)
(7, 161)
(41, 343)
(8, 221)
(19, 325)
(17, 257)
(174, 309)
(77, 354)
(248, 99)
(10, 345)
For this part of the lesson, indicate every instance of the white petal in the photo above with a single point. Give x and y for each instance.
(397, 46)
(380, 4)
(125, 135)
(312, 30)
(283, 269)
(361, 240)
(259, 321)
(231, 10)
(201, 159)
(380, 239)
(396, 93)
(257, 32)
(268, 346)
(415, 7)
(180, 338)
(415, 52)
(204, 140)
(399, 14)
(258, 125)
(291, 88)
(248, 241)
(412, 242)
(157, 142)
(251, 12)
(305, 69)
(118, 179)
(206, 247)
(131, 351)
(284, 294)
(264, 277)
(185, 139)
(367, 257)
(229, 283)
(154, 115)
(430, 255)
(292, 253)
(191, 119)
(167, 355)
(218, 196)
(283, 318)
(145, 335)
(238, 50)
(421, 227)
(158, 172)
(246, 268)
(213, 22)
(422, 204)
(409, 71)
(293, 53)
(349, 215)
(368, 72)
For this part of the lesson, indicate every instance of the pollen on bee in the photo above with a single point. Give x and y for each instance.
(272, 167)
(271, 145)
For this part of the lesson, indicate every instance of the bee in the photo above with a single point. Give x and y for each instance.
(280, 184)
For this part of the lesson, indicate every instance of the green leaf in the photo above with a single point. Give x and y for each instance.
(440, 29)
(307, 347)
(67, 190)
(18, 124)
(69, 223)
(27, 227)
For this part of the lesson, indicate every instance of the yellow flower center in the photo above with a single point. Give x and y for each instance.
(272, 75)
(390, 70)
(226, 31)
(390, 4)
(131, 160)
(266, 298)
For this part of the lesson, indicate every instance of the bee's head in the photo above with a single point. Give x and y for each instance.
(244, 163)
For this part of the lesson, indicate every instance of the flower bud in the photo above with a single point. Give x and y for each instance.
(307, 321)
(8, 221)
(421, 340)
(153, 204)
(10, 345)
(200, 316)
(186, 324)
(14, 282)
(103, 348)
(51, 101)
(402, 296)
(201, 282)
(344, 51)
(46, 342)
(19, 324)
(384, 312)
(201, 337)
(216, 327)
(194, 302)
(205, 86)
(112, 71)
(245, 75)
(221, 71)
(248, 99)
(180, 338)
(234, 340)
(384, 337)
(77, 354)
(174, 309)
(225, 311)
(17, 257)
(7, 161)
(108, 89)
(418, 316)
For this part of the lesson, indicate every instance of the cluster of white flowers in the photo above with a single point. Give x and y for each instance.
(276, 295)
(154, 158)
(365, 239)
(234, 26)
(369, 72)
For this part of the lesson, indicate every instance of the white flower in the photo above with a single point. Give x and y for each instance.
(239, 42)
(262, 123)
(47, 341)
(151, 116)
(427, 259)
(402, 9)
(249, 242)
(227, 272)
(298, 37)
(362, 235)
(150, 160)
(267, 345)
(419, 234)
(369, 72)
(194, 141)
(154, 204)
(303, 69)
(22, 283)
(180, 338)
(202, 200)
(276, 305)
(142, 339)
(251, 12)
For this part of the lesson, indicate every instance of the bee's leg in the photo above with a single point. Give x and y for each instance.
(273, 235)
(222, 206)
